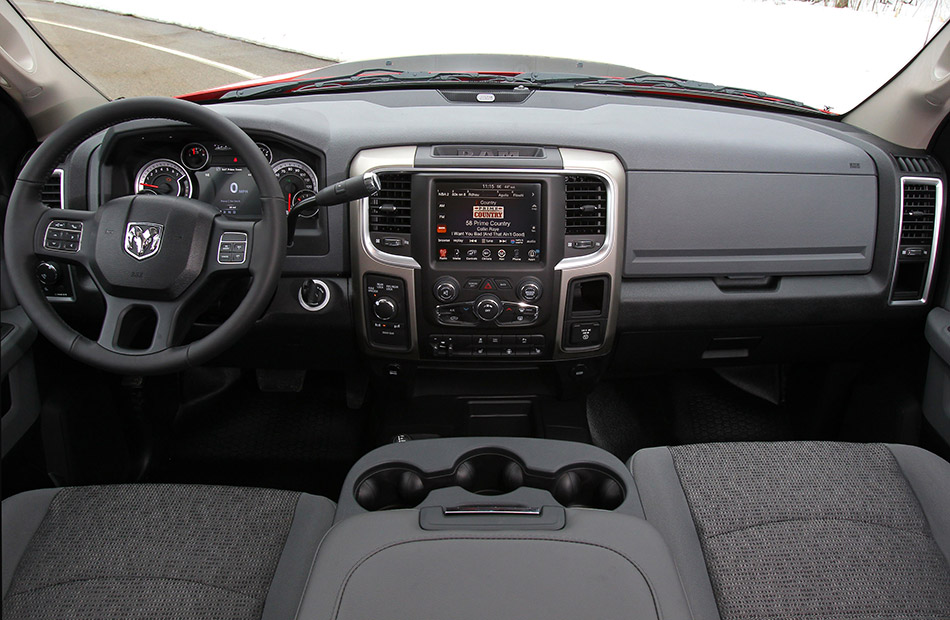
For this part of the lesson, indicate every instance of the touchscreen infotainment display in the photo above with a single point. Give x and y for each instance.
(487, 221)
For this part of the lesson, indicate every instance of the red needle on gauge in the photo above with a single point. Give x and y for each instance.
(147, 185)
(290, 199)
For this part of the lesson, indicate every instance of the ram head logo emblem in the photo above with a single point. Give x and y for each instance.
(143, 239)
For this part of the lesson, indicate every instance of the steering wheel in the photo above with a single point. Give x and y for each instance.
(150, 256)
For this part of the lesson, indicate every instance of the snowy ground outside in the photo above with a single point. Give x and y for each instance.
(810, 52)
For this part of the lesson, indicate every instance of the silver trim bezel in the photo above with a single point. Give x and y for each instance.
(326, 300)
(607, 260)
(938, 220)
(59, 172)
(247, 249)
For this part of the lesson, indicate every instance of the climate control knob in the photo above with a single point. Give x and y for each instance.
(487, 307)
(446, 289)
(529, 290)
(384, 308)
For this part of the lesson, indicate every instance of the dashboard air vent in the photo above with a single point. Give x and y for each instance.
(390, 210)
(919, 214)
(51, 194)
(585, 205)
(915, 164)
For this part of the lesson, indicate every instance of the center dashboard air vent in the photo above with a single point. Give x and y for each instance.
(920, 219)
(390, 213)
(585, 206)
(585, 214)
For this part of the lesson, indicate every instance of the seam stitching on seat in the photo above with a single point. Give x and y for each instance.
(39, 526)
(125, 577)
(920, 533)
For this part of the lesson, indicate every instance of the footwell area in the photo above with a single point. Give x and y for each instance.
(687, 407)
(303, 441)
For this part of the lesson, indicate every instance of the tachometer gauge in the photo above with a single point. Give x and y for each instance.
(268, 154)
(195, 156)
(294, 176)
(163, 176)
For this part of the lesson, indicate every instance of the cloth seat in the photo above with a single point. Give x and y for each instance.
(803, 529)
(159, 551)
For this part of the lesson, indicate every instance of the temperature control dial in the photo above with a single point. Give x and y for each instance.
(529, 289)
(446, 289)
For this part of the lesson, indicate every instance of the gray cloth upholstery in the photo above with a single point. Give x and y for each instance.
(156, 551)
(809, 530)
(664, 505)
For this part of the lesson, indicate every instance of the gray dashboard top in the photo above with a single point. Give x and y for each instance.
(646, 133)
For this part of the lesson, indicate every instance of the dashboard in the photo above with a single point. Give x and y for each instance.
(571, 230)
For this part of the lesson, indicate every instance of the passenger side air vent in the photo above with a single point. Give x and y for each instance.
(919, 214)
(390, 210)
(585, 206)
(390, 214)
(921, 204)
(51, 194)
(915, 164)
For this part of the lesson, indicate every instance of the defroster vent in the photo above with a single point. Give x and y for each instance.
(915, 164)
(390, 210)
(585, 205)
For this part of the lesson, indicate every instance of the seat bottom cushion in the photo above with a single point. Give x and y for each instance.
(798, 529)
(157, 551)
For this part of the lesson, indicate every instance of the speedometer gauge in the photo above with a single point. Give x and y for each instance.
(294, 176)
(163, 176)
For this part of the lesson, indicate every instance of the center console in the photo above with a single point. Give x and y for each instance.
(491, 527)
(464, 259)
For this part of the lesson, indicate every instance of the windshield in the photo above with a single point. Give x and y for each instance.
(829, 54)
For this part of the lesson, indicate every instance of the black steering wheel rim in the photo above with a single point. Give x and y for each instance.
(264, 262)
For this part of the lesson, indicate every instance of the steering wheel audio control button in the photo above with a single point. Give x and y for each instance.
(63, 235)
(232, 248)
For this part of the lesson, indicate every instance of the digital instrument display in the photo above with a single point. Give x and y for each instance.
(487, 221)
(231, 190)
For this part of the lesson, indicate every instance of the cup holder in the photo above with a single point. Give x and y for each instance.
(391, 489)
(489, 473)
(585, 487)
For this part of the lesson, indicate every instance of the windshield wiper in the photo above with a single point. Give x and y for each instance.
(666, 82)
(374, 77)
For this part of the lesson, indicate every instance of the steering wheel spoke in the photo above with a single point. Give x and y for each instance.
(136, 327)
(231, 247)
